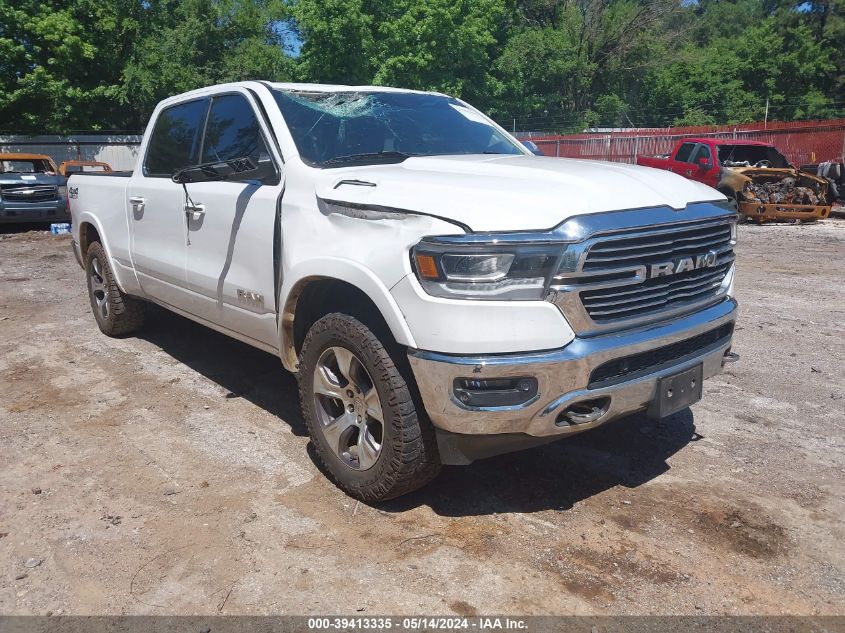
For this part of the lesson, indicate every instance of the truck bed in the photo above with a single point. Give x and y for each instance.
(659, 161)
(102, 202)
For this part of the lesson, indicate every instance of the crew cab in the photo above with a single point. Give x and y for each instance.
(754, 176)
(31, 189)
(442, 294)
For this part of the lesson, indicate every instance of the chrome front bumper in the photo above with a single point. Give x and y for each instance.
(563, 377)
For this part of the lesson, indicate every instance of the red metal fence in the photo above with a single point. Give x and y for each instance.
(801, 142)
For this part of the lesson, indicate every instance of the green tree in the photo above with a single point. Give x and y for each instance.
(70, 65)
(726, 75)
(61, 62)
(446, 45)
(551, 64)
(338, 41)
(196, 43)
(568, 63)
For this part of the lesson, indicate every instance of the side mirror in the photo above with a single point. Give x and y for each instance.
(704, 163)
(236, 169)
(531, 146)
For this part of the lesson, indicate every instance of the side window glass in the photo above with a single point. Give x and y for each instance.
(174, 143)
(702, 151)
(684, 151)
(232, 131)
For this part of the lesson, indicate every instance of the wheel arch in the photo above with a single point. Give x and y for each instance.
(353, 291)
(91, 229)
(88, 233)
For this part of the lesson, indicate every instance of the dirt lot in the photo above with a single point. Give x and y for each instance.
(169, 473)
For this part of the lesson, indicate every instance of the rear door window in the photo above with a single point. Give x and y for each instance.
(232, 131)
(174, 143)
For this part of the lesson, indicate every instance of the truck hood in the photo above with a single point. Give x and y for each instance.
(508, 193)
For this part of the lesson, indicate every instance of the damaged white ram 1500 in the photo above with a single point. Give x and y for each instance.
(442, 294)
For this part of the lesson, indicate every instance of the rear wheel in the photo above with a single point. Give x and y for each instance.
(362, 420)
(116, 313)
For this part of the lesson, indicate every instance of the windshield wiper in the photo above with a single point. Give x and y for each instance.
(367, 156)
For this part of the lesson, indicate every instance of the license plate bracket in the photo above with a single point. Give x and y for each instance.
(677, 392)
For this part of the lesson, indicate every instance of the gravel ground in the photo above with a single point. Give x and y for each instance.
(169, 473)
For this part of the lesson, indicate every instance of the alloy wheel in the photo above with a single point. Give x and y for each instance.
(348, 408)
(98, 288)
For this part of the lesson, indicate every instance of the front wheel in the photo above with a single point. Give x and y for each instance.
(360, 415)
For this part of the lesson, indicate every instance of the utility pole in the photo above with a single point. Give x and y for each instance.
(766, 119)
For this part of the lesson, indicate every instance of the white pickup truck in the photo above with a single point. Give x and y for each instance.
(442, 294)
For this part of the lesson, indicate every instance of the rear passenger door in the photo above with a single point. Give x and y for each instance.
(232, 227)
(158, 232)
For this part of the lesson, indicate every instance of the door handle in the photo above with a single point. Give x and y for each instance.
(197, 210)
(137, 203)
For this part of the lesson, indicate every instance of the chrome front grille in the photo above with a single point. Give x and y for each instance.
(646, 248)
(29, 193)
(622, 279)
(653, 294)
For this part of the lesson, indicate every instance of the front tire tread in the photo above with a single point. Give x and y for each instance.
(411, 460)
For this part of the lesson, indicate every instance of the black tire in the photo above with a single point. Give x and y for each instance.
(407, 457)
(832, 191)
(116, 314)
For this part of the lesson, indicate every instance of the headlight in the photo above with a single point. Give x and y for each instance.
(63, 191)
(485, 271)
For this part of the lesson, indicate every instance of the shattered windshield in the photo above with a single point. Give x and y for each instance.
(750, 156)
(342, 128)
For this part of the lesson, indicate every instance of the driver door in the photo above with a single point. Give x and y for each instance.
(705, 172)
(232, 225)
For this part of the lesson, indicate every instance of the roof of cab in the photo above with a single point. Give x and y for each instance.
(210, 90)
(725, 141)
(342, 88)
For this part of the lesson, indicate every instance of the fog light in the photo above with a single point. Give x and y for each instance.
(495, 392)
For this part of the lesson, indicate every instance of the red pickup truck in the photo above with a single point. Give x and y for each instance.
(754, 176)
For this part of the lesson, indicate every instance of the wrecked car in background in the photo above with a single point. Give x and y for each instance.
(755, 177)
(31, 189)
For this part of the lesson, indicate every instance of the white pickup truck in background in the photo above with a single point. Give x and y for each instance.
(442, 294)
